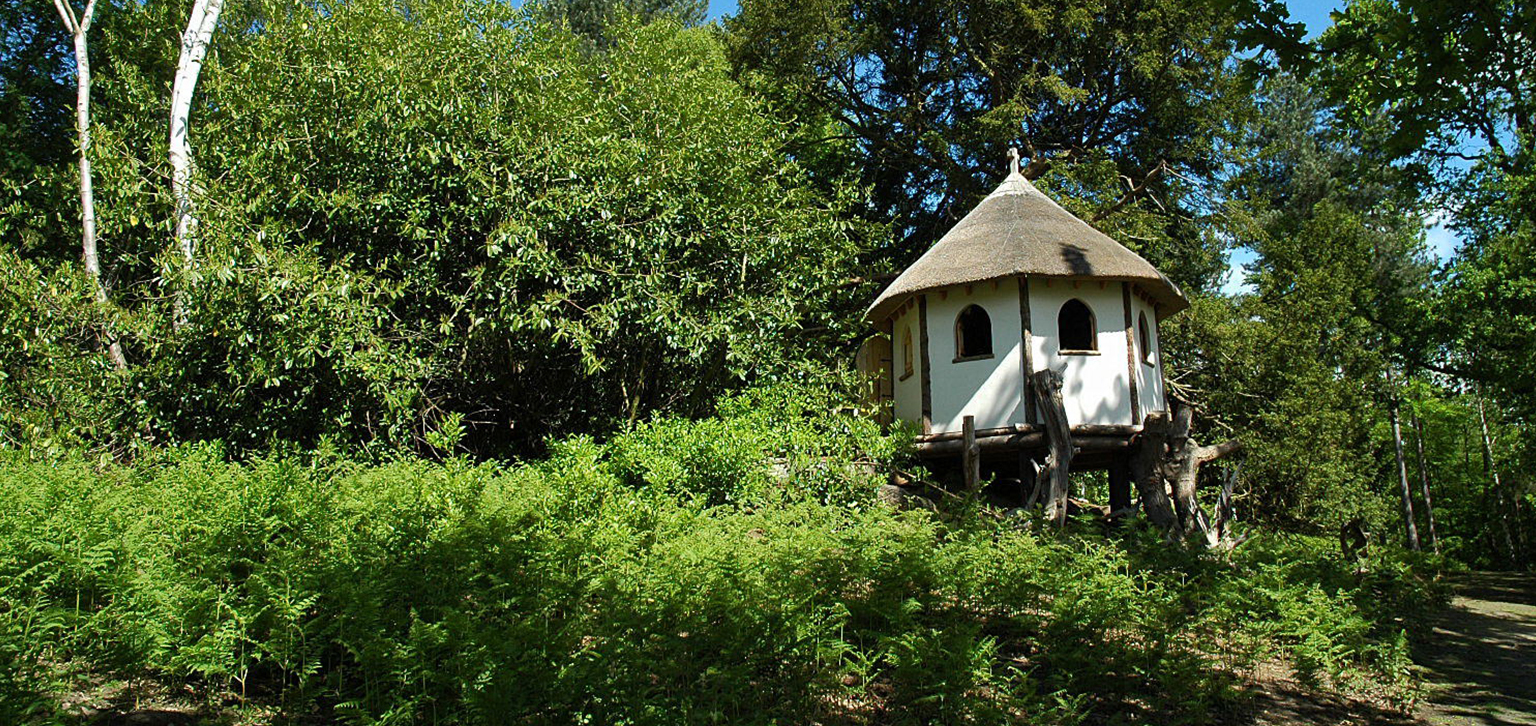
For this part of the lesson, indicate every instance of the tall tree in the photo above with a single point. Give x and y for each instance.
(78, 25)
(1297, 364)
(492, 230)
(1124, 109)
(591, 19)
(1429, 504)
(1451, 84)
(1441, 73)
(1406, 491)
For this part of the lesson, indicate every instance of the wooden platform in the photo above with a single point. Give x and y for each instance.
(1098, 446)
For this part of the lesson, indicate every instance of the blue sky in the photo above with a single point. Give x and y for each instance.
(1314, 14)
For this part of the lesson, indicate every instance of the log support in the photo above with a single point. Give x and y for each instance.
(1058, 466)
(1119, 488)
(970, 457)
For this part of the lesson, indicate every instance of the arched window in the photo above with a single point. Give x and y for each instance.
(906, 353)
(973, 334)
(1076, 327)
(1146, 339)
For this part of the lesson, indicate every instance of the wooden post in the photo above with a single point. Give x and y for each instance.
(1029, 475)
(1047, 385)
(927, 379)
(1026, 360)
(1130, 354)
(1119, 487)
(970, 456)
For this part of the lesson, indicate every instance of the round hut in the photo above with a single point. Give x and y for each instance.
(1021, 285)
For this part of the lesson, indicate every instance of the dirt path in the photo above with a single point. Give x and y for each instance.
(1481, 658)
(1479, 662)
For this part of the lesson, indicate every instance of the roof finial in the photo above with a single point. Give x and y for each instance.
(1013, 160)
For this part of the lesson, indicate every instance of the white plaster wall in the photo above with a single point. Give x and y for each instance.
(990, 389)
(1149, 383)
(1095, 388)
(908, 392)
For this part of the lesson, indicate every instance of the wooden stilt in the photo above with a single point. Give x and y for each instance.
(1120, 488)
(970, 456)
(1047, 385)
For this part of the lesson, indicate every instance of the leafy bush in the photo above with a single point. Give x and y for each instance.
(729, 569)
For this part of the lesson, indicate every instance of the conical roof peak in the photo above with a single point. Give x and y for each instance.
(1015, 231)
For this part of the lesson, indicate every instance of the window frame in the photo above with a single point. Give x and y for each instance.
(1144, 337)
(960, 357)
(1093, 330)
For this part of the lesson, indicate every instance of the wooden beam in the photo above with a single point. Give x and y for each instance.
(1130, 354)
(970, 456)
(1027, 360)
(1121, 430)
(1157, 357)
(1035, 441)
(1120, 486)
(922, 328)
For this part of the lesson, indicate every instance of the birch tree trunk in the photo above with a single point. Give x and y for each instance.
(1429, 506)
(1402, 465)
(194, 47)
(78, 26)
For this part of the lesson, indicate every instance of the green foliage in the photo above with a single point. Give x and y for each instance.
(1298, 367)
(53, 386)
(448, 214)
(600, 585)
(920, 100)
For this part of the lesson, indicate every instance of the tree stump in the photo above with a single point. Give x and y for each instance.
(1168, 461)
(1147, 471)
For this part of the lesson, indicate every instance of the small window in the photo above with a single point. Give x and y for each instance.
(906, 353)
(1076, 327)
(973, 334)
(1145, 333)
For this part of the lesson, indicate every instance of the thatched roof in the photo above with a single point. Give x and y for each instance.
(1017, 230)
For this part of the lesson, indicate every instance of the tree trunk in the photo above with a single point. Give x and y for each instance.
(1047, 385)
(1493, 474)
(1146, 471)
(1402, 465)
(194, 47)
(78, 27)
(1429, 506)
(1181, 468)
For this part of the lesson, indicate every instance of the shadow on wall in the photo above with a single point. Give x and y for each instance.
(997, 401)
(1097, 404)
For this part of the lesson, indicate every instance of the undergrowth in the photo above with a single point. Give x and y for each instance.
(734, 570)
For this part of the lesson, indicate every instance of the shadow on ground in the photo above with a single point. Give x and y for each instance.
(1482, 653)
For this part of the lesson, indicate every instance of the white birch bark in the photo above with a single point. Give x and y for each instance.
(78, 26)
(194, 47)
